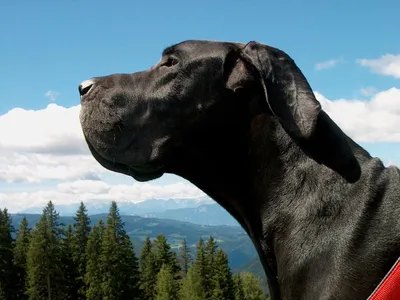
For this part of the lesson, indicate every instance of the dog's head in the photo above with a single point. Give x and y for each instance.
(134, 123)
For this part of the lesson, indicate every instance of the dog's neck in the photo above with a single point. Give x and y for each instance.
(239, 178)
(271, 186)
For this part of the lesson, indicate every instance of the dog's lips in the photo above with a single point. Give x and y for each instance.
(139, 173)
(101, 141)
(147, 176)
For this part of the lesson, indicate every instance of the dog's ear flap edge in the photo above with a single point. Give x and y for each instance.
(286, 90)
(236, 72)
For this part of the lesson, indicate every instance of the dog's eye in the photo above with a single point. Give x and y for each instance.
(171, 61)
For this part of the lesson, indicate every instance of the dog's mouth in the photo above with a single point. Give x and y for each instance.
(139, 173)
(115, 146)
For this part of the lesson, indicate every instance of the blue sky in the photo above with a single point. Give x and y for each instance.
(49, 47)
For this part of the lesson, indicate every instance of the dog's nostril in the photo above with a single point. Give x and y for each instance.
(85, 86)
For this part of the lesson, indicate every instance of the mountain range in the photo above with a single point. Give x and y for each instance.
(206, 214)
(201, 212)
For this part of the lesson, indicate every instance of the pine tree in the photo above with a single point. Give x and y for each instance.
(210, 250)
(7, 271)
(120, 266)
(164, 255)
(192, 288)
(3, 294)
(239, 293)
(147, 270)
(201, 261)
(130, 269)
(38, 278)
(252, 287)
(79, 243)
(184, 258)
(69, 267)
(222, 281)
(44, 268)
(93, 276)
(166, 286)
(20, 252)
(209, 253)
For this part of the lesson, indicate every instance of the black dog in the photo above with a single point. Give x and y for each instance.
(241, 122)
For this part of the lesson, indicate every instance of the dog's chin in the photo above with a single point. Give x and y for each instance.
(145, 174)
(139, 173)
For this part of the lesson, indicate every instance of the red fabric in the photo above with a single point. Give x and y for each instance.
(389, 288)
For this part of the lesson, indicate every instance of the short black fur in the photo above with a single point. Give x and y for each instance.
(241, 122)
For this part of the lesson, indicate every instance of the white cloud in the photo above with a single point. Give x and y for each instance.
(100, 192)
(369, 91)
(44, 144)
(377, 120)
(48, 144)
(31, 167)
(54, 130)
(388, 64)
(327, 64)
(51, 95)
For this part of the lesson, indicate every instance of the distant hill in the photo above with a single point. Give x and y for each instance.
(206, 214)
(149, 206)
(254, 266)
(202, 212)
(231, 239)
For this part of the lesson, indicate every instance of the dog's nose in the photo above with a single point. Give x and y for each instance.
(85, 86)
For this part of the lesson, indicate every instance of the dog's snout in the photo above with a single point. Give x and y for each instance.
(85, 86)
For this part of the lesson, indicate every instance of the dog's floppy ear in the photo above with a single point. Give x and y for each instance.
(286, 90)
(292, 101)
